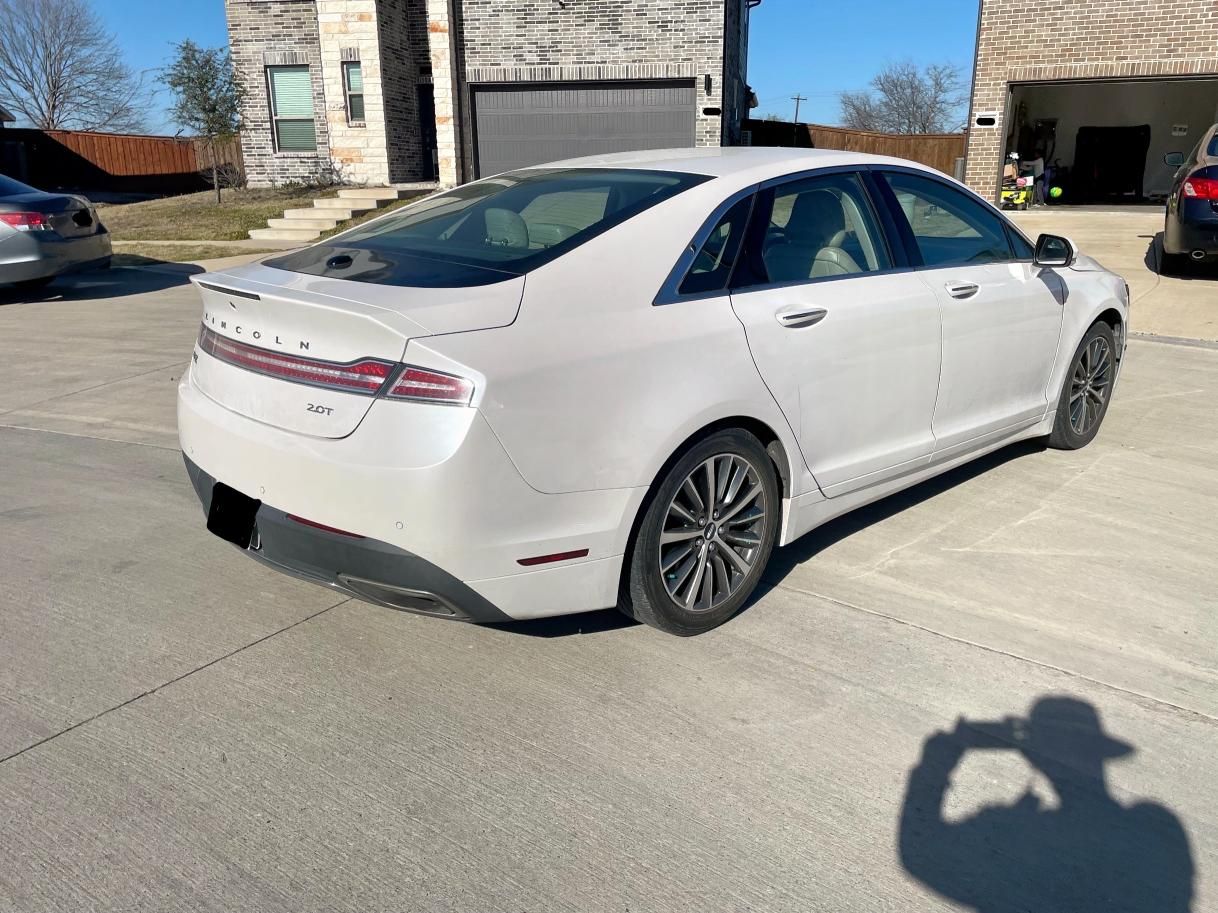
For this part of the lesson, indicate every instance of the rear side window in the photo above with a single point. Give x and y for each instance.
(494, 229)
(949, 227)
(713, 264)
(818, 228)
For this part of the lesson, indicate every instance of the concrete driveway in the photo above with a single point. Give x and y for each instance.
(1127, 241)
(181, 728)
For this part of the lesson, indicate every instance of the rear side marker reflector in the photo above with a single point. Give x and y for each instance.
(330, 529)
(549, 559)
(368, 376)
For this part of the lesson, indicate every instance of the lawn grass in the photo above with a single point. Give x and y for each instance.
(147, 253)
(197, 217)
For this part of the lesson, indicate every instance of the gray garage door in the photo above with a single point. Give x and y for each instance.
(519, 125)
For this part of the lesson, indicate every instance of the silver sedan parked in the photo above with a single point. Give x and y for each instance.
(43, 235)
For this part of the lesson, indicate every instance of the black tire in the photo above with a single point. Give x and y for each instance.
(1172, 264)
(644, 593)
(1093, 375)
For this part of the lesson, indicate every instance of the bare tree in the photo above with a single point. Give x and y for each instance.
(61, 70)
(905, 99)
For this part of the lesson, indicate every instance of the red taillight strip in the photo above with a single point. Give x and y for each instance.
(366, 376)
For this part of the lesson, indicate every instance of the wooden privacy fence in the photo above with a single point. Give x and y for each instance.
(938, 150)
(116, 162)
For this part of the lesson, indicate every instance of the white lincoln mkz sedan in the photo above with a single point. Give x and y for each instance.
(622, 380)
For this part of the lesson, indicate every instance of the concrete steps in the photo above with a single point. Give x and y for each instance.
(326, 213)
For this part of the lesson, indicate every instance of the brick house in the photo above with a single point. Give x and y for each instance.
(389, 91)
(1105, 87)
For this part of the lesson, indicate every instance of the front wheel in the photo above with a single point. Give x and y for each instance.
(1087, 390)
(705, 537)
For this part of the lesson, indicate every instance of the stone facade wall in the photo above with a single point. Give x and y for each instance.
(348, 32)
(1042, 40)
(673, 38)
(264, 32)
(398, 41)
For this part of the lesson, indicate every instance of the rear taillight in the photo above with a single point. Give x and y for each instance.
(432, 387)
(26, 221)
(366, 376)
(1198, 188)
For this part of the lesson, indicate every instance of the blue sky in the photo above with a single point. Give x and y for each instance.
(817, 48)
(820, 48)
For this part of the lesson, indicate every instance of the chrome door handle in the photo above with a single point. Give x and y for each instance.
(962, 289)
(795, 318)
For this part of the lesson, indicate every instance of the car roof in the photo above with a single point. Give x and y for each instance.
(748, 163)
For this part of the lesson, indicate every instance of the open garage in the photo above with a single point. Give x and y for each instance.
(1104, 140)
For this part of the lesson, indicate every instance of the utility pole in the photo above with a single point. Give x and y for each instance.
(797, 98)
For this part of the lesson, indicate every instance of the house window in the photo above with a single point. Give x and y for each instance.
(353, 79)
(292, 109)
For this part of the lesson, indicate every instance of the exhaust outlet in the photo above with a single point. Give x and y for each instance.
(1198, 255)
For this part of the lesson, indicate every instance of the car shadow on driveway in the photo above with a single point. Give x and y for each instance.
(104, 283)
(786, 559)
(1188, 270)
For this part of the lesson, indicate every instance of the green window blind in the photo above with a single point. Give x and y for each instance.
(355, 92)
(292, 104)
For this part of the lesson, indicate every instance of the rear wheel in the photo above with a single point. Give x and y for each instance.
(705, 537)
(1087, 389)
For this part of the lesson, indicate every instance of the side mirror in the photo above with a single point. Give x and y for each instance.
(1175, 159)
(1052, 250)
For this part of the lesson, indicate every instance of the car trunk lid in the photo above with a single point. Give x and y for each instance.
(70, 216)
(326, 325)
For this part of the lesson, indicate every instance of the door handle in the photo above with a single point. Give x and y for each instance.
(796, 318)
(962, 289)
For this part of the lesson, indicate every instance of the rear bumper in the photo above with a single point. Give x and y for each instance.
(367, 569)
(26, 255)
(1193, 226)
(435, 495)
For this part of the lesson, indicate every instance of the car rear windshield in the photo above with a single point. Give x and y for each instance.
(9, 187)
(1212, 150)
(491, 230)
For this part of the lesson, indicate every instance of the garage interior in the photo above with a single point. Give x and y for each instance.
(1104, 141)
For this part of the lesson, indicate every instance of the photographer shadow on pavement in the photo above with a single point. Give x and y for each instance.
(1089, 854)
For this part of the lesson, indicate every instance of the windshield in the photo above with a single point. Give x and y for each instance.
(8, 187)
(491, 230)
(1212, 149)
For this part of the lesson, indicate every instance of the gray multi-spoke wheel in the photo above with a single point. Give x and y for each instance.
(1087, 390)
(1090, 384)
(712, 532)
(705, 536)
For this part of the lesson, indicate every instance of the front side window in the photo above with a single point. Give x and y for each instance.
(353, 80)
(949, 228)
(494, 229)
(820, 228)
(292, 109)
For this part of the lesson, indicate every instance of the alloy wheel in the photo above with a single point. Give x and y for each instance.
(712, 532)
(1090, 384)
